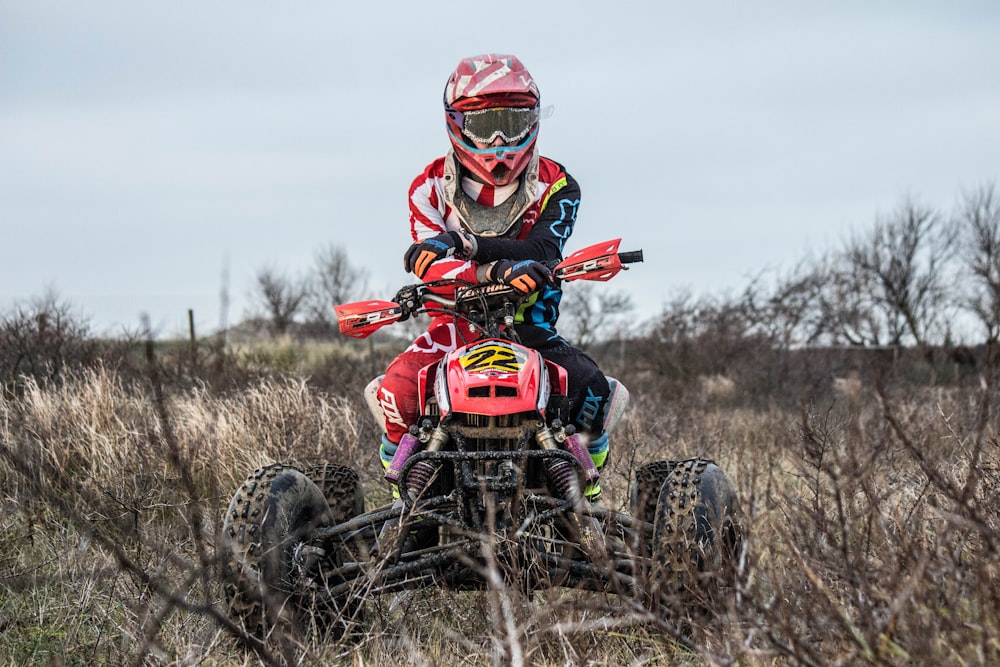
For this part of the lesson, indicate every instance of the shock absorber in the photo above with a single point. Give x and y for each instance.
(565, 483)
(560, 472)
(422, 472)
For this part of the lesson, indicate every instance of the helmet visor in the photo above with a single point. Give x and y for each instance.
(485, 125)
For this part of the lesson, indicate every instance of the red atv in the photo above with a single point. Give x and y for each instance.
(489, 481)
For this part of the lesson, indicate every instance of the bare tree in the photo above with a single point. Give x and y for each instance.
(589, 315)
(333, 280)
(788, 312)
(896, 278)
(846, 308)
(42, 337)
(980, 224)
(824, 300)
(281, 297)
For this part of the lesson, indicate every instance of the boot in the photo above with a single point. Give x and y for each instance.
(598, 450)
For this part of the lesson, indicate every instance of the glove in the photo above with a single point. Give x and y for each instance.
(525, 275)
(420, 256)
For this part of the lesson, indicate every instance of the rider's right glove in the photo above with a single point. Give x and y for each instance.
(420, 256)
(526, 275)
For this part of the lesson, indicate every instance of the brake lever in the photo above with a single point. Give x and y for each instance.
(409, 301)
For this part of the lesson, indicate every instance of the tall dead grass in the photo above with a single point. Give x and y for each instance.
(871, 520)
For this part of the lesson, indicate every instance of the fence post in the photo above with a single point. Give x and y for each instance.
(194, 340)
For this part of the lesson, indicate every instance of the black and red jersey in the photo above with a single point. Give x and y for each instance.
(540, 233)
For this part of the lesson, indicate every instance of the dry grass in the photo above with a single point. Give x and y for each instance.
(872, 523)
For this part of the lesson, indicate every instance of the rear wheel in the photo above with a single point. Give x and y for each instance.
(265, 537)
(341, 487)
(696, 539)
(646, 488)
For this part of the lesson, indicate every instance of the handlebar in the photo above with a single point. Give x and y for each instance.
(487, 305)
(440, 300)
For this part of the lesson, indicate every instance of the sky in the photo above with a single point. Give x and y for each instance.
(153, 154)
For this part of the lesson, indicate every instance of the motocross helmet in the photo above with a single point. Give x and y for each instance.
(487, 97)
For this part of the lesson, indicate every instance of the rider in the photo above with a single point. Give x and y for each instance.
(493, 210)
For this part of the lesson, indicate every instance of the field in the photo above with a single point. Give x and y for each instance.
(868, 498)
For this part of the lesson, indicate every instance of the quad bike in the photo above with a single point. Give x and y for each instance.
(489, 480)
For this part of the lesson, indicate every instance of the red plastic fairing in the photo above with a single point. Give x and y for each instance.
(596, 262)
(557, 377)
(494, 377)
(425, 385)
(363, 318)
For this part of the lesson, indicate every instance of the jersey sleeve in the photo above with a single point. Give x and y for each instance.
(427, 213)
(426, 209)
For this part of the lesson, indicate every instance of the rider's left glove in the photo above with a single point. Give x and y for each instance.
(526, 276)
(420, 256)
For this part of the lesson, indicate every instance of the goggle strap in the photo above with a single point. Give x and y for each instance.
(496, 151)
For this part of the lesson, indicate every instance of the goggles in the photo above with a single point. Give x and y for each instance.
(485, 125)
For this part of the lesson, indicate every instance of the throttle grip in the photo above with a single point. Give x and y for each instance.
(630, 257)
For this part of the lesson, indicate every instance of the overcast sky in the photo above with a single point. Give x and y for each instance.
(146, 146)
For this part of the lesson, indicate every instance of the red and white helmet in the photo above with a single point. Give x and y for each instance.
(486, 97)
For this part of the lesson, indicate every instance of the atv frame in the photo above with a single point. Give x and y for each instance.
(496, 488)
